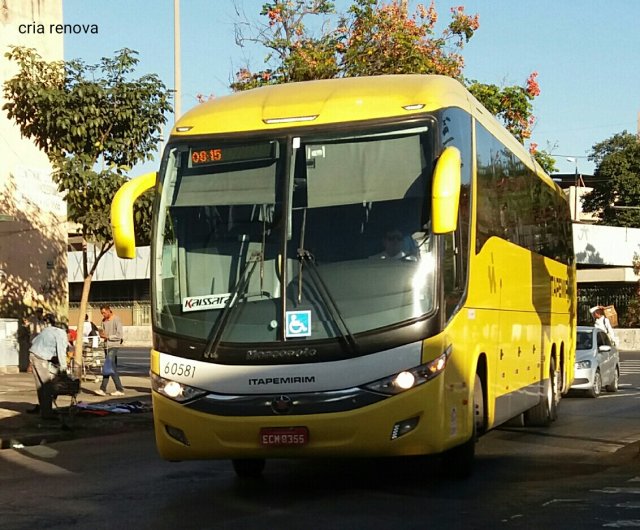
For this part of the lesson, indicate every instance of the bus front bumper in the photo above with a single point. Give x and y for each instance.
(413, 423)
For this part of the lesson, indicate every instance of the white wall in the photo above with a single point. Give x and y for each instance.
(605, 245)
(111, 267)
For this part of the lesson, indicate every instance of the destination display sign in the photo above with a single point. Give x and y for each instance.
(225, 154)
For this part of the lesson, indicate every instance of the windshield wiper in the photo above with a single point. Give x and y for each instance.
(306, 258)
(237, 292)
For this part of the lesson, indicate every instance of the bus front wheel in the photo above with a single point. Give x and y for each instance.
(459, 461)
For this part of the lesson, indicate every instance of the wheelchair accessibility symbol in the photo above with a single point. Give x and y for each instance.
(298, 324)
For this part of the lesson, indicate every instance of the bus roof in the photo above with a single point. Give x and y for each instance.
(323, 102)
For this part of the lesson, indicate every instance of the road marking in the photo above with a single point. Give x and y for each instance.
(630, 367)
(619, 395)
(553, 501)
(614, 490)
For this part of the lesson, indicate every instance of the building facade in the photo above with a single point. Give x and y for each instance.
(33, 232)
(604, 255)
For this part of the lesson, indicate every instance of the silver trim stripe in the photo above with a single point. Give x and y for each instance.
(307, 377)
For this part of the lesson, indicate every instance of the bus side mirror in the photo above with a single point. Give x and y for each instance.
(124, 236)
(445, 194)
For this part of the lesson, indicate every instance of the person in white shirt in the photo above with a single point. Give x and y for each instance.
(602, 322)
(48, 355)
(90, 336)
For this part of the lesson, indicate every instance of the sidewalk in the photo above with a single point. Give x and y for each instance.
(18, 394)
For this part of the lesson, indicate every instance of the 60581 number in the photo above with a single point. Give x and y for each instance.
(180, 369)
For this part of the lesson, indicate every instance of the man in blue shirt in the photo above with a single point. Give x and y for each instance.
(48, 355)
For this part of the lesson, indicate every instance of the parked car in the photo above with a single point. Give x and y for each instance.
(597, 362)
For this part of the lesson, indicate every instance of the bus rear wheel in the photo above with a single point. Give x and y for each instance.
(248, 467)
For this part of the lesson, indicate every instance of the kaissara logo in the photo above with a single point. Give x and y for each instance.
(201, 303)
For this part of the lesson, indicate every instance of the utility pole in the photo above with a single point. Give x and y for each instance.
(575, 187)
(177, 90)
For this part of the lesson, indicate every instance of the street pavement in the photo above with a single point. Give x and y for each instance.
(19, 428)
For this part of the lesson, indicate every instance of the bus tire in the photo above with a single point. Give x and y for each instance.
(459, 462)
(546, 411)
(248, 467)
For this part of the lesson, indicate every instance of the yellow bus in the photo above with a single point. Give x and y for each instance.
(351, 267)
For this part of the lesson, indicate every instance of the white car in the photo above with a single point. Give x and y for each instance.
(597, 362)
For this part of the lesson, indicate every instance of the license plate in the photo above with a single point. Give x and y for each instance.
(284, 436)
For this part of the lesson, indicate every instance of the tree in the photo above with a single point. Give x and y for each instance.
(510, 104)
(632, 314)
(544, 158)
(376, 38)
(616, 190)
(385, 39)
(295, 53)
(94, 122)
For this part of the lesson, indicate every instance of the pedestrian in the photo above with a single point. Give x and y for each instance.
(24, 343)
(90, 333)
(48, 355)
(111, 334)
(602, 322)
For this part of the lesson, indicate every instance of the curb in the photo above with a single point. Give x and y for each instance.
(74, 427)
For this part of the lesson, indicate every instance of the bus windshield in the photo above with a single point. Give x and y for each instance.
(311, 237)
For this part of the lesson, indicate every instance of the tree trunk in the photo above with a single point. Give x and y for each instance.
(84, 301)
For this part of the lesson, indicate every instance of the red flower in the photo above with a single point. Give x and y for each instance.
(533, 88)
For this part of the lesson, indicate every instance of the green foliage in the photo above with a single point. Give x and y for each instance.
(546, 161)
(94, 122)
(383, 38)
(376, 38)
(631, 317)
(84, 117)
(512, 104)
(617, 181)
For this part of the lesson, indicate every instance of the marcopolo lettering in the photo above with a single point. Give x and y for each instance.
(297, 379)
(300, 353)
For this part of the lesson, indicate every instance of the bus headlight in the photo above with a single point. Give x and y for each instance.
(173, 390)
(407, 379)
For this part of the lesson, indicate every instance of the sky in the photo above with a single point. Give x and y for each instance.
(586, 53)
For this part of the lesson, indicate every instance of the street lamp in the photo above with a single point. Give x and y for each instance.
(575, 187)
